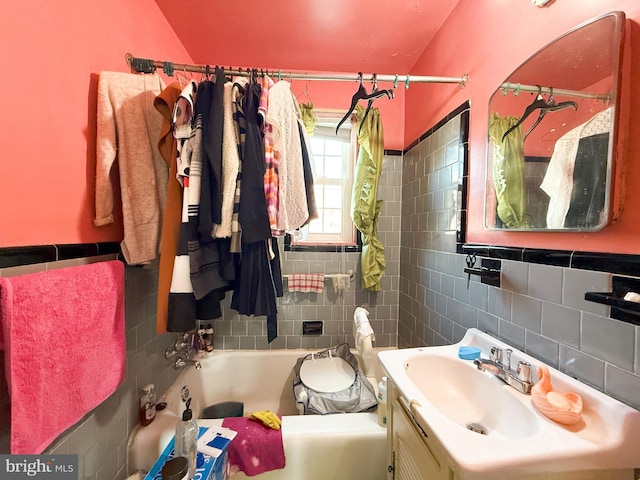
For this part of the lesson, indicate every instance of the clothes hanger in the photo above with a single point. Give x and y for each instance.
(375, 93)
(183, 78)
(374, 80)
(538, 103)
(361, 94)
(552, 106)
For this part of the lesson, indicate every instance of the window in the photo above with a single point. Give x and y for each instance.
(334, 158)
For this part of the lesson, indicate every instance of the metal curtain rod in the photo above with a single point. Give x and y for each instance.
(144, 65)
(517, 88)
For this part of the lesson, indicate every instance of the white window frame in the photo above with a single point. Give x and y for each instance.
(348, 237)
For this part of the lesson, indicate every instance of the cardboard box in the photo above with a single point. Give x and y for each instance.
(208, 467)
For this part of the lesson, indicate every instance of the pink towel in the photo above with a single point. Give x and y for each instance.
(256, 448)
(65, 348)
(306, 282)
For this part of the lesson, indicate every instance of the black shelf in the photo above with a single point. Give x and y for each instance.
(621, 309)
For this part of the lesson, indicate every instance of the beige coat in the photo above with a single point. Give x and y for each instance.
(128, 129)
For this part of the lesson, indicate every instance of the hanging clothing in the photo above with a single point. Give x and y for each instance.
(365, 208)
(211, 191)
(255, 292)
(167, 145)
(508, 171)
(587, 205)
(230, 165)
(239, 123)
(181, 314)
(253, 216)
(204, 256)
(558, 180)
(128, 128)
(308, 115)
(271, 180)
(308, 175)
(283, 116)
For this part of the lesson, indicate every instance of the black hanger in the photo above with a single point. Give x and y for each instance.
(538, 103)
(375, 93)
(544, 106)
(552, 106)
(361, 94)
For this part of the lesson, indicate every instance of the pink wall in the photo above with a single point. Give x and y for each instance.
(336, 96)
(52, 54)
(488, 40)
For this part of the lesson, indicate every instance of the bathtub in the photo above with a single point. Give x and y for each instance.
(317, 447)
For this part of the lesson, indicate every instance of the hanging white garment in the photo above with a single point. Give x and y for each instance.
(230, 165)
(558, 180)
(282, 115)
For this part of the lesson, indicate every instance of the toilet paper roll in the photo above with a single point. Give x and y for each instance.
(632, 297)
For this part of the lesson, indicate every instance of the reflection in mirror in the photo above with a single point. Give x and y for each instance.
(552, 133)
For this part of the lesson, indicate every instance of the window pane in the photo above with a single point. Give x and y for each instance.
(318, 165)
(334, 167)
(333, 147)
(319, 195)
(317, 145)
(332, 221)
(315, 226)
(333, 196)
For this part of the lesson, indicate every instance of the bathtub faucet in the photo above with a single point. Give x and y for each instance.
(181, 363)
(182, 346)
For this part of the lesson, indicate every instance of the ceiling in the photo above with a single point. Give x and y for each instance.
(382, 36)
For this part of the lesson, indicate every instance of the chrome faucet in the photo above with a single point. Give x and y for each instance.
(182, 346)
(182, 349)
(182, 362)
(520, 378)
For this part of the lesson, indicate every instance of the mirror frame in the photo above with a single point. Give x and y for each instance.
(614, 97)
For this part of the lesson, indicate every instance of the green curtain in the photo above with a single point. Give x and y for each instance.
(365, 207)
(508, 171)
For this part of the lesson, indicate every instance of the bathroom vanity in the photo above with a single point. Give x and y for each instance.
(449, 419)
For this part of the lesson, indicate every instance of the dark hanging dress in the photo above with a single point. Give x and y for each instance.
(256, 284)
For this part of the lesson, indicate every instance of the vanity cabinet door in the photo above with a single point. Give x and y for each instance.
(413, 459)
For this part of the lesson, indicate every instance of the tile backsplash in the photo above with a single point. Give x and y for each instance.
(100, 438)
(538, 308)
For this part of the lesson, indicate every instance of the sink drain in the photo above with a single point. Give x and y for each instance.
(476, 427)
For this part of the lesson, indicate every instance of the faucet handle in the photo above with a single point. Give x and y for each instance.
(184, 342)
(508, 351)
(496, 354)
(524, 371)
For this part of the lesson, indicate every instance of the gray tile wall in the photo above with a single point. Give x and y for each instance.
(100, 438)
(234, 331)
(539, 309)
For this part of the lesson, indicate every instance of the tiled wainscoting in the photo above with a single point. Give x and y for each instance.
(100, 438)
(539, 308)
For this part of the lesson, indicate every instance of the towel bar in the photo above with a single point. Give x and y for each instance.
(327, 276)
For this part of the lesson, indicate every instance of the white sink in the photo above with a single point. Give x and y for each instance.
(469, 398)
(447, 395)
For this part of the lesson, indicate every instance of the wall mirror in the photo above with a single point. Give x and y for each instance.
(552, 129)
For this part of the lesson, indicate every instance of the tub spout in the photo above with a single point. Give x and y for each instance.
(181, 363)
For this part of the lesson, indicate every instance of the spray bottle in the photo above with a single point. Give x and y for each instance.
(187, 438)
